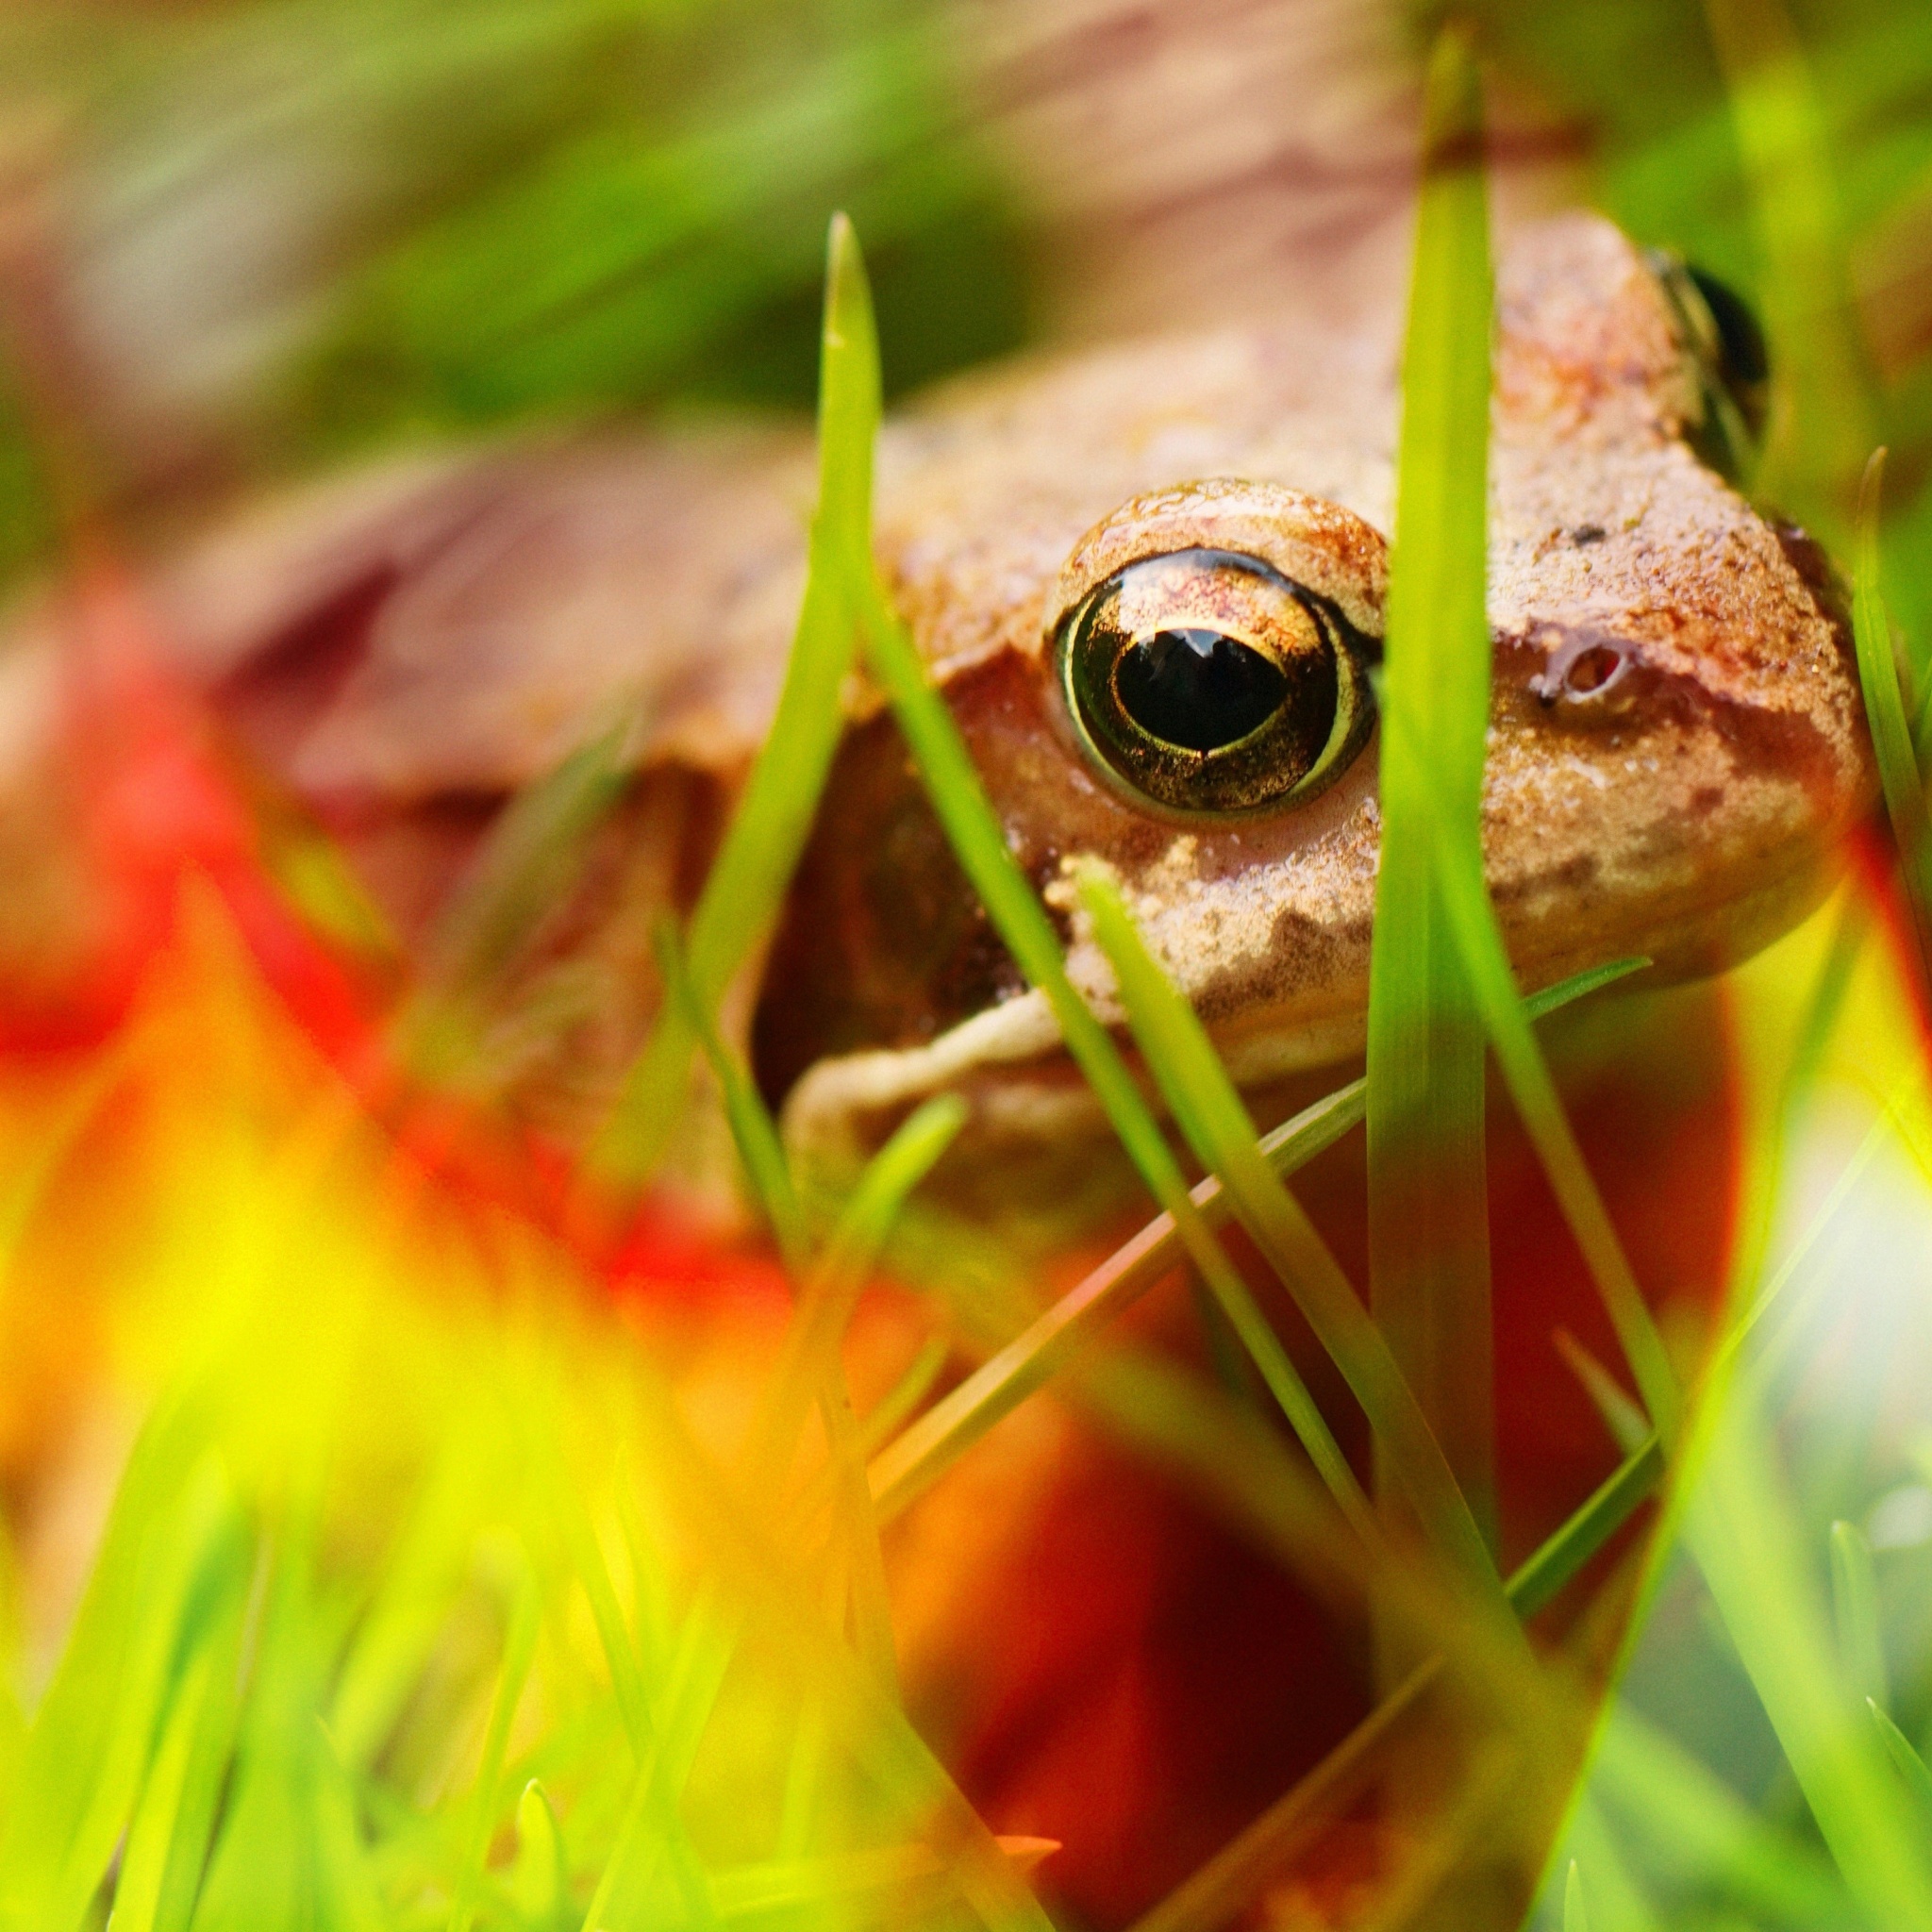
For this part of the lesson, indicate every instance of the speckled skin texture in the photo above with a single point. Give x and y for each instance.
(1675, 739)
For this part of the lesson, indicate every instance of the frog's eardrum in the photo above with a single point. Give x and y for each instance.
(1675, 746)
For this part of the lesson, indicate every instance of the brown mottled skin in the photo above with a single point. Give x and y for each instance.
(405, 648)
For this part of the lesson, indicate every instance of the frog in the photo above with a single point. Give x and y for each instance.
(1150, 581)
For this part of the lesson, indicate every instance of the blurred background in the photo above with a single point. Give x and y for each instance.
(249, 239)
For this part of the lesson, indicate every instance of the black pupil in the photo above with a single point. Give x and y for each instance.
(1198, 689)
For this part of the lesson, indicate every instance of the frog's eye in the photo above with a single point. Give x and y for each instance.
(1209, 681)
(1733, 364)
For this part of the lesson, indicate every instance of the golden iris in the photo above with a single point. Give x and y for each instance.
(1209, 682)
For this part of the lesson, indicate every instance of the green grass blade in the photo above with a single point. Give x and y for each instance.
(1538, 1578)
(405, 1615)
(1527, 1073)
(527, 863)
(1229, 1882)
(1741, 1526)
(741, 895)
(889, 1414)
(1884, 709)
(759, 1150)
(945, 1432)
(88, 1748)
(807, 1367)
(1428, 1226)
(1628, 1427)
(811, 1364)
(1855, 1614)
(888, 1179)
(519, 1649)
(350, 1883)
(1906, 1759)
(218, 1724)
(1822, 403)
(1696, 1828)
(539, 1876)
(152, 1836)
(1827, 999)
(1576, 1918)
(1622, 1905)
(1211, 1113)
(865, 1719)
(1440, 976)
(650, 1827)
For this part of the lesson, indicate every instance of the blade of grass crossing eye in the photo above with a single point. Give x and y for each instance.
(947, 1431)
(1211, 1113)
(978, 842)
(743, 891)
(759, 1150)
(1428, 1225)
(520, 1648)
(1891, 738)
(1855, 1613)
(1904, 1757)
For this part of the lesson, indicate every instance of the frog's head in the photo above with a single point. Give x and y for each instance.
(1184, 693)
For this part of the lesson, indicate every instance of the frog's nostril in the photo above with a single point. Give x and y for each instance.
(1582, 668)
(1200, 688)
(1595, 671)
